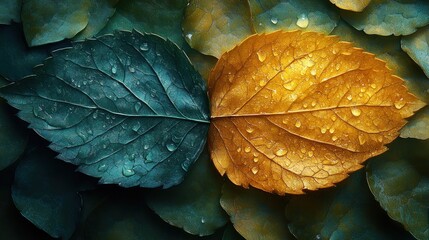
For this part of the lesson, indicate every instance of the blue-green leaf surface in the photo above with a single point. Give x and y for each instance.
(347, 212)
(194, 204)
(10, 11)
(417, 47)
(45, 191)
(127, 108)
(399, 180)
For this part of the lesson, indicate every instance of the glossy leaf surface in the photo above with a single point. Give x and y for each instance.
(399, 180)
(194, 204)
(348, 211)
(45, 191)
(128, 108)
(47, 21)
(387, 17)
(417, 46)
(293, 111)
(214, 27)
(352, 5)
(318, 16)
(255, 213)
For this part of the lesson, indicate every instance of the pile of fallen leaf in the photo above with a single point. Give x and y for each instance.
(149, 98)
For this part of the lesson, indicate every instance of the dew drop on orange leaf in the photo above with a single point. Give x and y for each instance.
(310, 114)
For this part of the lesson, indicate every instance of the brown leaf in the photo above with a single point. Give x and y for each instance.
(294, 110)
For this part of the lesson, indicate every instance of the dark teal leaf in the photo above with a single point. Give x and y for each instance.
(127, 108)
(45, 192)
(47, 21)
(13, 137)
(417, 47)
(10, 11)
(16, 58)
(125, 216)
(399, 180)
(194, 204)
(160, 17)
(99, 14)
(255, 213)
(346, 212)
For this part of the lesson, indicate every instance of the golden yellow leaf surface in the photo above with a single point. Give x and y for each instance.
(352, 5)
(300, 110)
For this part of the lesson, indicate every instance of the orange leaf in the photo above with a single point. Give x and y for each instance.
(294, 111)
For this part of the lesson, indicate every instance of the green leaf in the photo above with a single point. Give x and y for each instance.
(399, 180)
(13, 137)
(47, 21)
(417, 126)
(255, 213)
(417, 47)
(317, 16)
(387, 17)
(159, 17)
(214, 27)
(128, 108)
(346, 212)
(99, 14)
(45, 192)
(194, 204)
(12, 224)
(17, 59)
(10, 11)
(126, 217)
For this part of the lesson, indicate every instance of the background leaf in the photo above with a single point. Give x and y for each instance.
(346, 212)
(387, 17)
(299, 110)
(417, 47)
(214, 27)
(352, 5)
(47, 21)
(399, 180)
(13, 137)
(128, 108)
(254, 213)
(194, 204)
(317, 16)
(46, 192)
(99, 14)
(10, 11)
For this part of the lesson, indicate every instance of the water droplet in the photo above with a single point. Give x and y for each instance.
(102, 168)
(137, 106)
(318, 237)
(255, 159)
(144, 47)
(334, 138)
(303, 150)
(373, 85)
(362, 89)
(333, 118)
(128, 172)
(332, 130)
(274, 20)
(145, 147)
(313, 72)
(171, 147)
(132, 69)
(310, 153)
(337, 67)
(356, 112)
(95, 115)
(380, 139)
(298, 124)
(186, 164)
(255, 170)
(349, 97)
(239, 149)
(203, 220)
(362, 140)
(323, 130)
(136, 127)
(281, 152)
(302, 21)
(399, 104)
(313, 103)
(189, 36)
(262, 83)
(261, 56)
(114, 70)
(104, 146)
(247, 149)
(250, 130)
(290, 85)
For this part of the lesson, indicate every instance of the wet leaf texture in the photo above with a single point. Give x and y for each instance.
(293, 111)
(128, 108)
